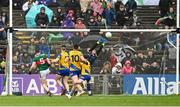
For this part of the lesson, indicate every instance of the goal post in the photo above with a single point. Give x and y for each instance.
(10, 41)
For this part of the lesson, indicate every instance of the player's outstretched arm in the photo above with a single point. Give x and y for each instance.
(33, 66)
(55, 60)
(48, 61)
(83, 59)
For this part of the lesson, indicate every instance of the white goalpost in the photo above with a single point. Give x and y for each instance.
(10, 45)
(177, 50)
(10, 41)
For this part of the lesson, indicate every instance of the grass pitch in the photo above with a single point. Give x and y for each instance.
(90, 101)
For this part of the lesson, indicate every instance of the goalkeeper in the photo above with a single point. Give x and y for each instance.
(92, 53)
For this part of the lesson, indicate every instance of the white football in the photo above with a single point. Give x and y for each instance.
(108, 34)
(4, 94)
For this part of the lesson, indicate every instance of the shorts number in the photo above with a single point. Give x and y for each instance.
(75, 58)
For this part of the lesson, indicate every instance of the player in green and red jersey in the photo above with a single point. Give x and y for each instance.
(42, 63)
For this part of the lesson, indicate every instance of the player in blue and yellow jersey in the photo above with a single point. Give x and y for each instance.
(85, 75)
(76, 57)
(63, 72)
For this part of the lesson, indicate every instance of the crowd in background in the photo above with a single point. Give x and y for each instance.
(3, 23)
(147, 59)
(2, 62)
(167, 13)
(81, 14)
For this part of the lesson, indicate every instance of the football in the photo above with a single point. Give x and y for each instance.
(108, 34)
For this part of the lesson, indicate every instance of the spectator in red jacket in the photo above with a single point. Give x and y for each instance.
(127, 68)
(113, 59)
(97, 8)
(80, 25)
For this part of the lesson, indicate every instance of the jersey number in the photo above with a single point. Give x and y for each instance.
(75, 58)
(42, 61)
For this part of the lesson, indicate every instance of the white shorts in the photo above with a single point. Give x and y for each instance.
(44, 73)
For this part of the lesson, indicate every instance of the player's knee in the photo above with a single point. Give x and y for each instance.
(43, 81)
(57, 78)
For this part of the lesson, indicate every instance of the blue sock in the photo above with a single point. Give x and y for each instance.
(88, 87)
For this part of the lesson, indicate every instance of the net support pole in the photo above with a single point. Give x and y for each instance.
(177, 65)
(10, 45)
(177, 50)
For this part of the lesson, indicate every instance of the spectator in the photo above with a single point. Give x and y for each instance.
(164, 6)
(104, 4)
(54, 23)
(45, 2)
(150, 57)
(128, 58)
(60, 16)
(170, 21)
(43, 47)
(87, 16)
(2, 31)
(68, 23)
(80, 25)
(113, 59)
(97, 8)
(27, 5)
(118, 4)
(151, 65)
(101, 22)
(15, 69)
(92, 23)
(2, 66)
(26, 59)
(17, 4)
(42, 18)
(131, 6)
(121, 16)
(23, 69)
(4, 18)
(71, 14)
(20, 49)
(139, 60)
(117, 69)
(109, 15)
(31, 47)
(127, 68)
(16, 60)
(73, 5)
(84, 5)
(106, 68)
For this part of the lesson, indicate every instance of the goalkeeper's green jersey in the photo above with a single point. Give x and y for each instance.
(41, 61)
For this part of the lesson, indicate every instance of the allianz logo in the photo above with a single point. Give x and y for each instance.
(154, 86)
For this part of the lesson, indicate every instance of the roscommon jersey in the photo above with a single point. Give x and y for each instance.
(41, 62)
(85, 68)
(62, 60)
(75, 63)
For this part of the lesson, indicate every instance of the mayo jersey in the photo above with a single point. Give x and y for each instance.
(85, 68)
(62, 57)
(75, 60)
(41, 62)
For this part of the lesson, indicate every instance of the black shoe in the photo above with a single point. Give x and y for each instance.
(49, 94)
